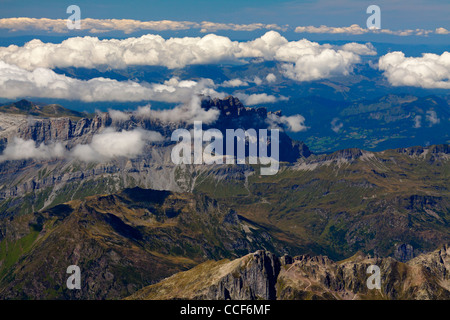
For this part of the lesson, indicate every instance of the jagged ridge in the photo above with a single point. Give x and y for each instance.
(263, 275)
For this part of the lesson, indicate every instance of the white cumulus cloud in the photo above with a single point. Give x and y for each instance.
(118, 116)
(320, 63)
(429, 71)
(111, 144)
(104, 146)
(270, 78)
(295, 123)
(45, 83)
(258, 98)
(432, 117)
(152, 50)
(442, 31)
(20, 149)
(187, 112)
(304, 60)
(234, 83)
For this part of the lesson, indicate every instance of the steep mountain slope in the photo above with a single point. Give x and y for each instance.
(390, 203)
(43, 183)
(262, 275)
(333, 204)
(121, 242)
(348, 201)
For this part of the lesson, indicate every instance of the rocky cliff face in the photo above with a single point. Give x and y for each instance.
(255, 280)
(232, 115)
(63, 129)
(251, 277)
(262, 275)
(58, 178)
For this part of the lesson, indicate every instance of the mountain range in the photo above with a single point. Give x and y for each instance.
(130, 223)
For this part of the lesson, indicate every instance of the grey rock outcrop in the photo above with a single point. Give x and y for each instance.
(255, 280)
(61, 177)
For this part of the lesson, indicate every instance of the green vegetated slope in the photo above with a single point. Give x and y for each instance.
(335, 205)
(348, 201)
(121, 242)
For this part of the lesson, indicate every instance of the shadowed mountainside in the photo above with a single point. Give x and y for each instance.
(121, 242)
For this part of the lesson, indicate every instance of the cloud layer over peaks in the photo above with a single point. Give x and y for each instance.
(20, 149)
(45, 83)
(111, 144)
(187, 112)
(104, 146)
(303, 60)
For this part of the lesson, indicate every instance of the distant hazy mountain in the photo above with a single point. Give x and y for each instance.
(387, 122)
(29, 108)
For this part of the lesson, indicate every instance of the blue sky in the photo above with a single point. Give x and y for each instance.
(396, 14)
(408, 27)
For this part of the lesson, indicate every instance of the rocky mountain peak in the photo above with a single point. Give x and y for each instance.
(263, 275)
(72, 131)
